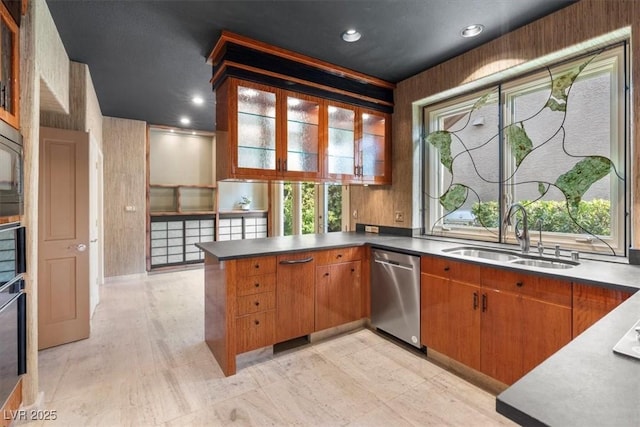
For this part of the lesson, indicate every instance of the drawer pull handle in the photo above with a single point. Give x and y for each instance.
(296, 261)
(446, 268)
(257, 322)
(257, 303)
(519, 284)
(484, 302)
(353, 270)
(326, 274)
(257, 266)
(257, 285)
(339, 256)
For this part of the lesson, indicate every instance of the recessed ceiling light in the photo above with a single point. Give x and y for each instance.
(472, 30)
(351, 35)
(193, 132)
(185, 120)
(171, 130)
(197, 100)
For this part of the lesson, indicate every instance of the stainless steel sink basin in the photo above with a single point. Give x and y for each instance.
(544, 263)
(509, 257)
(495, 255)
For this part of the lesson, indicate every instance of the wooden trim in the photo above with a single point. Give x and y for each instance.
(11, 405)
(228, 36)
(181, 130)
(225, 64)
(147, 176)
(13, 118)
(8, 219)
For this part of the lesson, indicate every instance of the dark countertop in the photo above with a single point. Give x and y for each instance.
(607, 274)
(583, 384)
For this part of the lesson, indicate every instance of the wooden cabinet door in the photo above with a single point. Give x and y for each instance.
(592, 303)
(374, 148)
(501, 326)
(434, 313)
(546, 328)
(338, 294)
(295, 295)
(464, 323)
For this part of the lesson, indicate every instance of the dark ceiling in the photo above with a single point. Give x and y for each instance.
(148, 58)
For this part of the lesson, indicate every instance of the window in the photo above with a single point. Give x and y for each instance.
(553, 141)
(306, 208)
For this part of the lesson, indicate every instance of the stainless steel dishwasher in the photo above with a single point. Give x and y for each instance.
(395, 294)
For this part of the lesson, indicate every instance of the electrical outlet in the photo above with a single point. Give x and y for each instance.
(371, 229)
(399, 216)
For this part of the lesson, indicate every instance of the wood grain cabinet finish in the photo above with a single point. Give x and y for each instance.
(592, 303)
(338, 294)
(9, 69)
(295, 295)
(255, 303)
(500, 322)
(268, 133)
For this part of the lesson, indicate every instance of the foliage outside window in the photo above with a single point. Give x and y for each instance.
(553, 141)
(303, 207)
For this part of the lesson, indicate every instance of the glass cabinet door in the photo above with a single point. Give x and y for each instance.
(341, 144)
(256, 128)
(302, 135)
(373, 146)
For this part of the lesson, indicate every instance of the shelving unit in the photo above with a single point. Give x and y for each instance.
(181, 199)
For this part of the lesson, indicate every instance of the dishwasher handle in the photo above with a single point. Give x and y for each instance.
(394, 264)
(296, 261)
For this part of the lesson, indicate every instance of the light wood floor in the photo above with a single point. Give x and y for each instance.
(146, 364)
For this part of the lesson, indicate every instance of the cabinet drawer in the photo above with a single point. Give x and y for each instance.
(255, 331)
(256, 266)
(256, 303)
(256, 284)
(542, 288)
(450, 269)
(335, 256)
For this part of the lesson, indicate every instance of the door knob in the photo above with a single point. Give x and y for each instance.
(80, 247)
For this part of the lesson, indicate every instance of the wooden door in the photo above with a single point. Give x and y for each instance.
(501, 326)
(434, 317)
(295, 295)
(546, 328)
(338, 294)
(63, 237)
(464, 323)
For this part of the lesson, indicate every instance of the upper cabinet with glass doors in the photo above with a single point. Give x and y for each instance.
(9, 68)
(281, 115)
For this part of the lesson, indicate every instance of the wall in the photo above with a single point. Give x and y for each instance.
(229, 194)
(178, 158)
(52, 59)
(570, 26)
(124, 150)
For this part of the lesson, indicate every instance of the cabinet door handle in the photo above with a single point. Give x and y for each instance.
(326, 274)
(278, 165)
(296, 261)
(475, 300)
(257, 266)
(257, 322)
(484, 302)
(339, 256)
(257, 285)
(447, 268)
(284, 165)
(520, 284)
(257, 303)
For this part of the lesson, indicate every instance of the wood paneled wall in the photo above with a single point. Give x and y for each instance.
(49, 51)
(124, 170)
(575, 24)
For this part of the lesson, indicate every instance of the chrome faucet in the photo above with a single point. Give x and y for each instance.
(522, 236)
(540, 245)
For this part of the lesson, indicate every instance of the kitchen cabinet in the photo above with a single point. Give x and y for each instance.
(255, 303)
(490, 319)
(338, 298)
(358, 146)
(267, 133)
(591, 303)
(450, 312)
(295, 295)
(173, 239)
(9, 68)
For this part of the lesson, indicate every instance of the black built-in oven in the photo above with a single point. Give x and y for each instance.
(13, 332)
(11, 173)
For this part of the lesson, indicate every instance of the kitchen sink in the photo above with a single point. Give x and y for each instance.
(543, 263)
(509, 257)
(491, 254)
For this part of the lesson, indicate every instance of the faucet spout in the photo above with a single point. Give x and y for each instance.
(522, 236)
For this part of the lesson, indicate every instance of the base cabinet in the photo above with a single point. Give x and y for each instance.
(592, 303)
(295, 295)
(499, 322)
(338, 294)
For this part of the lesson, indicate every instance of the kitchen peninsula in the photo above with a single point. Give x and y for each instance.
(582, 370)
